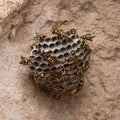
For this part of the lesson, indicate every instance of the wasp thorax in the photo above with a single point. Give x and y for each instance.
(58, 63)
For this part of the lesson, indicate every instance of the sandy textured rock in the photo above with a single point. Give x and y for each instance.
(100, 97)
(9, 15)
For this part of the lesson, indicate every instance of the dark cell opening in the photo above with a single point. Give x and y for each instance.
(78, 42)
(39, 58)
(32, 67)
(62, 49)
(57, 43)
(66, 65)
(43, 65)
(66, 54)
(47, 39)
(39, 45)
(60, 56)
(45, 46)
(68, 47)
(35, 64)
(54, 38)
(64, 42)
(51, 45)
(38, 69)
(56, 51)
(74, 45)
(73, 36)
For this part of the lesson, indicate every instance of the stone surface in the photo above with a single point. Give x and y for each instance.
(9, 15)
(100, 97)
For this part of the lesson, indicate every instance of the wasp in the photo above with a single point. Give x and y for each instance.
(25, 61)
(87, 36)
(39, 36)
(59, 74)
(39, 76)
(85, 66)
(77, 89)
(61, 34)
(88, 48)
(51, 59)
(75, 58)
(57, 92)
(80, 85)
(57, 30)
(79, 72)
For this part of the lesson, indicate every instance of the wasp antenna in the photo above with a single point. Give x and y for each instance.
(60, 23)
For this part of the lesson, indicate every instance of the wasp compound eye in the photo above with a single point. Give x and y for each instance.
(58, 63)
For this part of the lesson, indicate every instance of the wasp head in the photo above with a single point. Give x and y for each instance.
(73, 31)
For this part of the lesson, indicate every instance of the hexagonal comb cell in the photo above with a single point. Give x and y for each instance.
(59, 62)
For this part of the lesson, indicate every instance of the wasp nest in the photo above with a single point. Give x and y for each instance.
(59, 62)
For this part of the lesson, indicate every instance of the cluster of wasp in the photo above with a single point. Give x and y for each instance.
(59, 62)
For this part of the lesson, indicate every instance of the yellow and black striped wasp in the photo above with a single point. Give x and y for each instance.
(61, 34)
(39, 76)
(51, 59)
(25, 61)
(75, 58)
